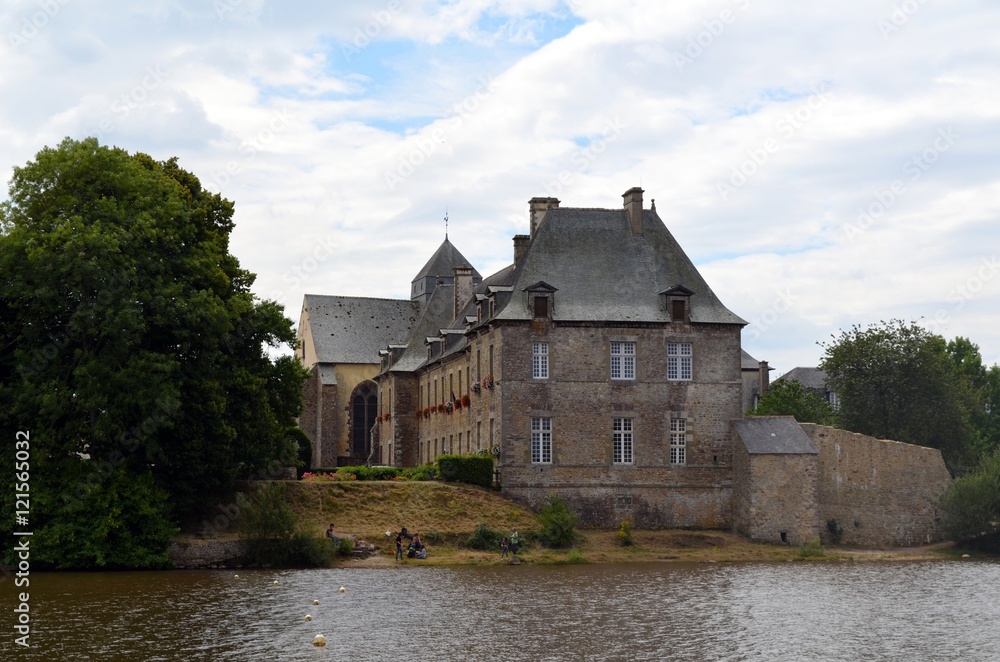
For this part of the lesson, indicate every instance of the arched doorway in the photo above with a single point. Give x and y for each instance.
(364, 409)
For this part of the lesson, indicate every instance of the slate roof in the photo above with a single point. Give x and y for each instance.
(604, 273)
(748, 362)
(808, 377)
(774, 435)
(436, 315)
(444, 260)
(354, 329)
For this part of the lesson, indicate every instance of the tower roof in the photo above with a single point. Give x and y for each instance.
(444, 260)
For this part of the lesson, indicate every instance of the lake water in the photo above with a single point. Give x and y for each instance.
(944, 610)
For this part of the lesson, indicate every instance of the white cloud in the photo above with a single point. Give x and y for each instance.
(300, 112)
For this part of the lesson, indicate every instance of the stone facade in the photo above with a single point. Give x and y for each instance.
(880, 493)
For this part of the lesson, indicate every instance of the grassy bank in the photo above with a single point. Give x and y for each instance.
(445, 514)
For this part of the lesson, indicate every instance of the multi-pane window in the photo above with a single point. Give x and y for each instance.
(679, 361)
(623, 441)
(541, 440)
(540, 360)
(678, 441)
(623, 360)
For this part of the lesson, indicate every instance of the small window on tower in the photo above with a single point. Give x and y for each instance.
(541, 307)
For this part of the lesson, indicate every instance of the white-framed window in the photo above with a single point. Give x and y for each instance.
(623, 441)
(541, 441)
(623, 360)
(679, 361)
(539, 360)
(678, 441)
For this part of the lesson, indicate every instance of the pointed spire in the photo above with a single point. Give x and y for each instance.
(445, 222)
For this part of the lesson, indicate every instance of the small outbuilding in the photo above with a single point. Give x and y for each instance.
(775, 468)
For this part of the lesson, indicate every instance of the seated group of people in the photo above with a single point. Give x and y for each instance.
(417, 549)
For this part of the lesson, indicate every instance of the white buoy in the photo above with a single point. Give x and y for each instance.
(308, 617)
(315, 602)
(319, 640)
(343, 590)
(275, 582)
(236, 576)
(965, 556)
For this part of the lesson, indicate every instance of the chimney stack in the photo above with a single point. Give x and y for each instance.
(765, 378)
(462, 288)
(537, 208)
(633, 206)
(521, 242)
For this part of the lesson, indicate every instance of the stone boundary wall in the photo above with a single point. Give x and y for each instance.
(881, 493)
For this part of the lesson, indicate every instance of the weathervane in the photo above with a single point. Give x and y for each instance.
(445, 222)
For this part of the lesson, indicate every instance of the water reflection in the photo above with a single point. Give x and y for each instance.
(794, 611)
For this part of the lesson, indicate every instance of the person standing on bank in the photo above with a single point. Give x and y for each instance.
(504, 546)
(399, 546)
(514, 543)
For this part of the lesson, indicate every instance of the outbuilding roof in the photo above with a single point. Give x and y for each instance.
(774, 435)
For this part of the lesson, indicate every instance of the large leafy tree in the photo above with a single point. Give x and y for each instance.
(896, 380)
(790, 398)
(131, 344)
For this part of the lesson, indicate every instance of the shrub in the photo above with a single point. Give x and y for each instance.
(268, 528)
(557, 523)
(625, 534)
(303, 449)
(474, 469)
(424, 472)
(484, 538)
(811, 548)
(972, 506)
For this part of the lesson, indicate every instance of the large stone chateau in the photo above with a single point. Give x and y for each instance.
(600, 366)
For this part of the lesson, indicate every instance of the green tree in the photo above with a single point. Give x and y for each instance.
(790, 398)
(972, 506)
(130, 339)
(897, 381)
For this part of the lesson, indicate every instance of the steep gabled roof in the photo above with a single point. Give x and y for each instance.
(354, 329)
(605, 273)
(444, 260)
(774, 435)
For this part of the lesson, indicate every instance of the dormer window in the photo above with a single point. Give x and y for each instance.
(541, 297)
(541, 306)
(676, 302)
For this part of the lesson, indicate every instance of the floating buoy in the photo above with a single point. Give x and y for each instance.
(308, 617)
(315, 602)
(275, 582)
(343, 590)
(965, 556)
(236, 576)
(319, 640)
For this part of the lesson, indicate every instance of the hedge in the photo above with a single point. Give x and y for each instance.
(474, 469)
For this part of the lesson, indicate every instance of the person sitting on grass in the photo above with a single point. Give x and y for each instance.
(331, 536)
(417, 548)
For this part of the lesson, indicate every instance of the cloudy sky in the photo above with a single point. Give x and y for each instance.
(824, 164)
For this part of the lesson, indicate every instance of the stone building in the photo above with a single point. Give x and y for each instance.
(599, 366)
(340, 339)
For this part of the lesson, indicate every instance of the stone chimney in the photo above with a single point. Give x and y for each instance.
(521, 242)
(462, 288)
(765, 378)
(633, 206)
(537, 208)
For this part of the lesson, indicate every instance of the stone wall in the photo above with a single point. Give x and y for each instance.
(211, 554)
(880, 493)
